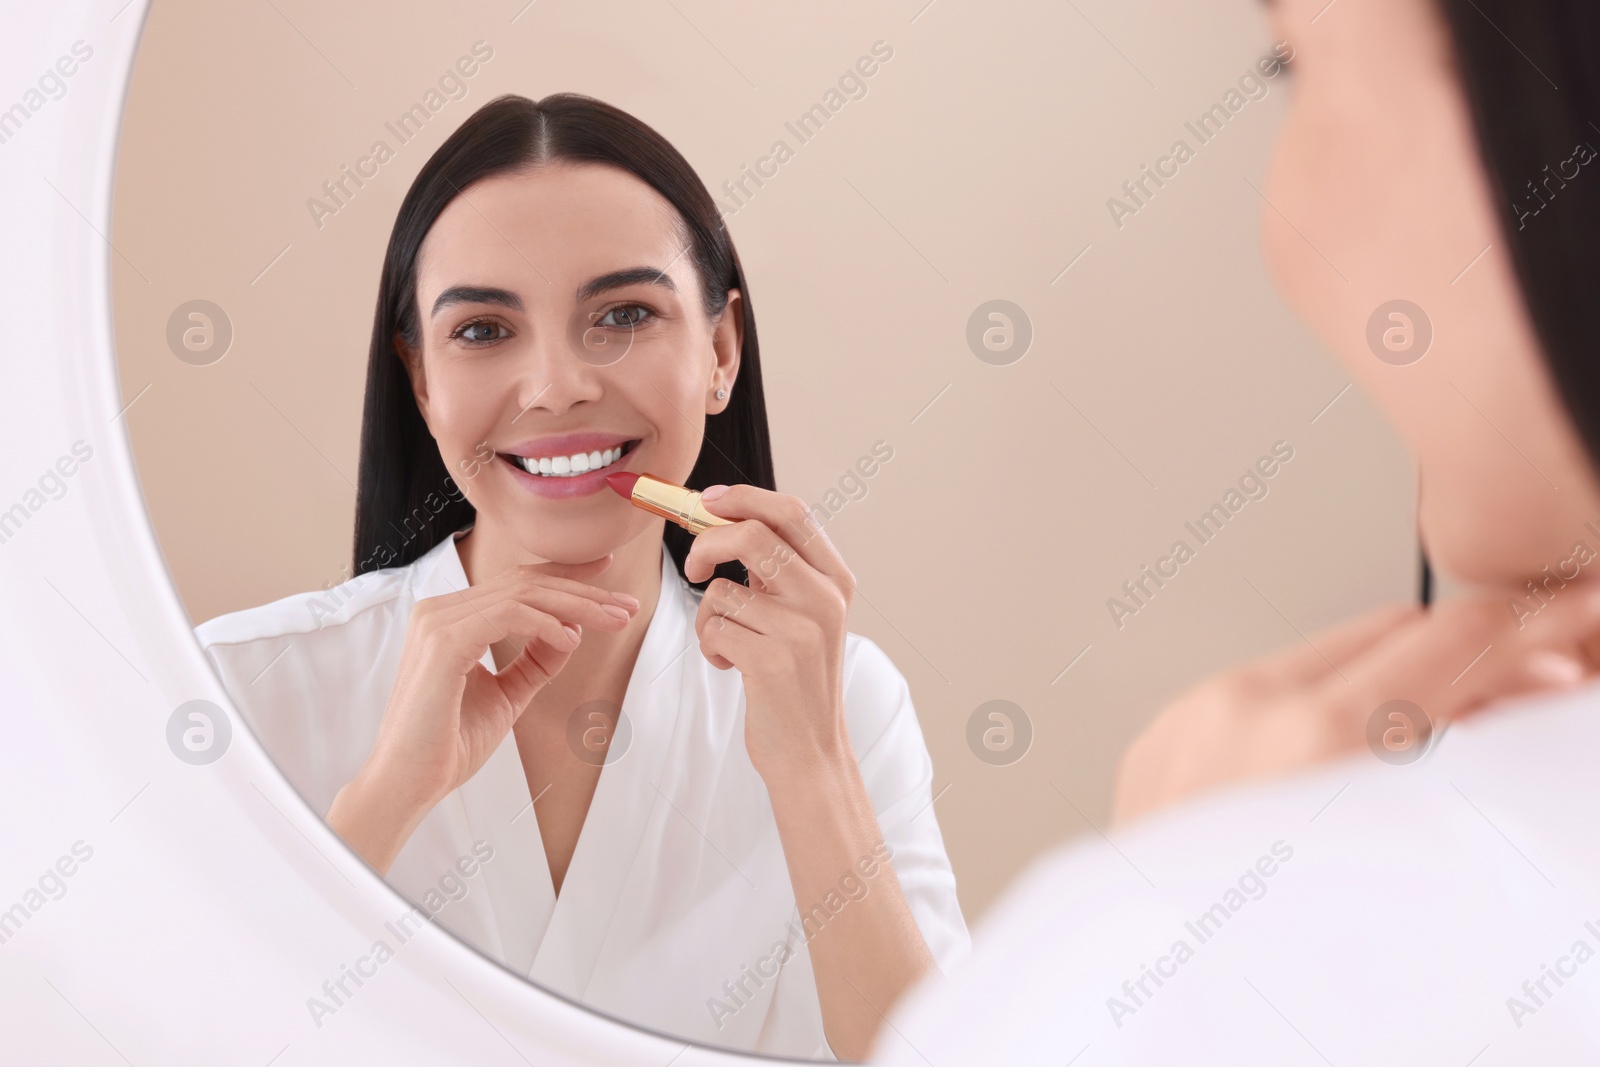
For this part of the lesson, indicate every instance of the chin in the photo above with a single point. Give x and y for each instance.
(571, 548)
(580, 542)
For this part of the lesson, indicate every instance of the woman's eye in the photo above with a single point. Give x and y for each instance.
(625, 316)
(481, 332)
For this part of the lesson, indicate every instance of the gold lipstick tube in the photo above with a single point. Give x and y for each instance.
(675, 503)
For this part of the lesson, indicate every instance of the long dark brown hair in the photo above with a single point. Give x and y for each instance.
(1531, 73)
(406, 501)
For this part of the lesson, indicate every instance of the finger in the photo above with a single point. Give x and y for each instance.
(1348, 640)
(523, 624)
(756, 610)
(702, 619)
(529, 672)
(1510, 675)
(462, 641)
(789, 518)
(1329, 651)
(578, 604)
(1516, 655)
(1456, 660)
(1571, 619)
(532, 574)
(726, 642)
(769, 560)
(575, 602)
(595, 609)
(1558, 649)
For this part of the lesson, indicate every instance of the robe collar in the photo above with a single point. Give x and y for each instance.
(556, 941)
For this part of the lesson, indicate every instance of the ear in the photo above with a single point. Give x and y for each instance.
(411, 359)
(727, 342)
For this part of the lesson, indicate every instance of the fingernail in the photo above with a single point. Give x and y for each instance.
(625, 599)
(711, 492)
(1555, 668)
(573, 632)
(618, 612)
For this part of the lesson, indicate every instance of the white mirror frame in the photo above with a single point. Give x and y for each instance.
(214, 902)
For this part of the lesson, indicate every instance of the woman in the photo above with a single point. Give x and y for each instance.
(1439, 903)
(694, 804)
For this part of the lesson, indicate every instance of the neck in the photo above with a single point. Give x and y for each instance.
(603, 662)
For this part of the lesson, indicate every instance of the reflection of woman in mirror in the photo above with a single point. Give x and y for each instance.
(521, 709)
(1431, 898)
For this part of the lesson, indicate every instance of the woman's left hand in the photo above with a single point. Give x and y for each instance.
(1319, 700)
(785, 632)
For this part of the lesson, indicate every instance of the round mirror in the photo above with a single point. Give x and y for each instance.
(1027, 444)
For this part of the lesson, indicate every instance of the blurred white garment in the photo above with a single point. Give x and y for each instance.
(1442, 912)
(677, 911)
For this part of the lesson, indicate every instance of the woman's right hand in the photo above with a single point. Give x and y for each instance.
(447, 713)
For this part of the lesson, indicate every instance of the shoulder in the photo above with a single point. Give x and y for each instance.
(311, 645)
(881, 717)
(876, 693)
(898, 774)
(310, 673)
(308, 612)
(1436, 876)
(868, 670)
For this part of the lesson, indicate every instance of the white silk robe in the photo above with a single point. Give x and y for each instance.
(677, 911)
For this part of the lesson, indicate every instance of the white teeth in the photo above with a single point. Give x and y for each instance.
(568, 466)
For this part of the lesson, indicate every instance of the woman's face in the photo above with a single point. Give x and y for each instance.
(1376, 194)
(561, 317)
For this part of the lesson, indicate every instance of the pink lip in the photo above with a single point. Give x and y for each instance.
(577, 485)
(568, 444)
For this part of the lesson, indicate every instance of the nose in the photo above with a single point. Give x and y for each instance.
(554, 377)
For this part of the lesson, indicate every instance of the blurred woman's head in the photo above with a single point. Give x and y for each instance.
(1429, 157)
(558, 286)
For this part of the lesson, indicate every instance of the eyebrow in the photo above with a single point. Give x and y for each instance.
(619, 278)
(476, 294)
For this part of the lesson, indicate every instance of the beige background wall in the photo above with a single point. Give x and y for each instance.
(977, 167)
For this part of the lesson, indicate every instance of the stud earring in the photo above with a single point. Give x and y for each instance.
(722, 394)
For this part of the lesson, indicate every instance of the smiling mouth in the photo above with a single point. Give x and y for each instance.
(579, 463)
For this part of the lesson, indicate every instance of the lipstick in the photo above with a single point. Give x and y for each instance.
(659, 497)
